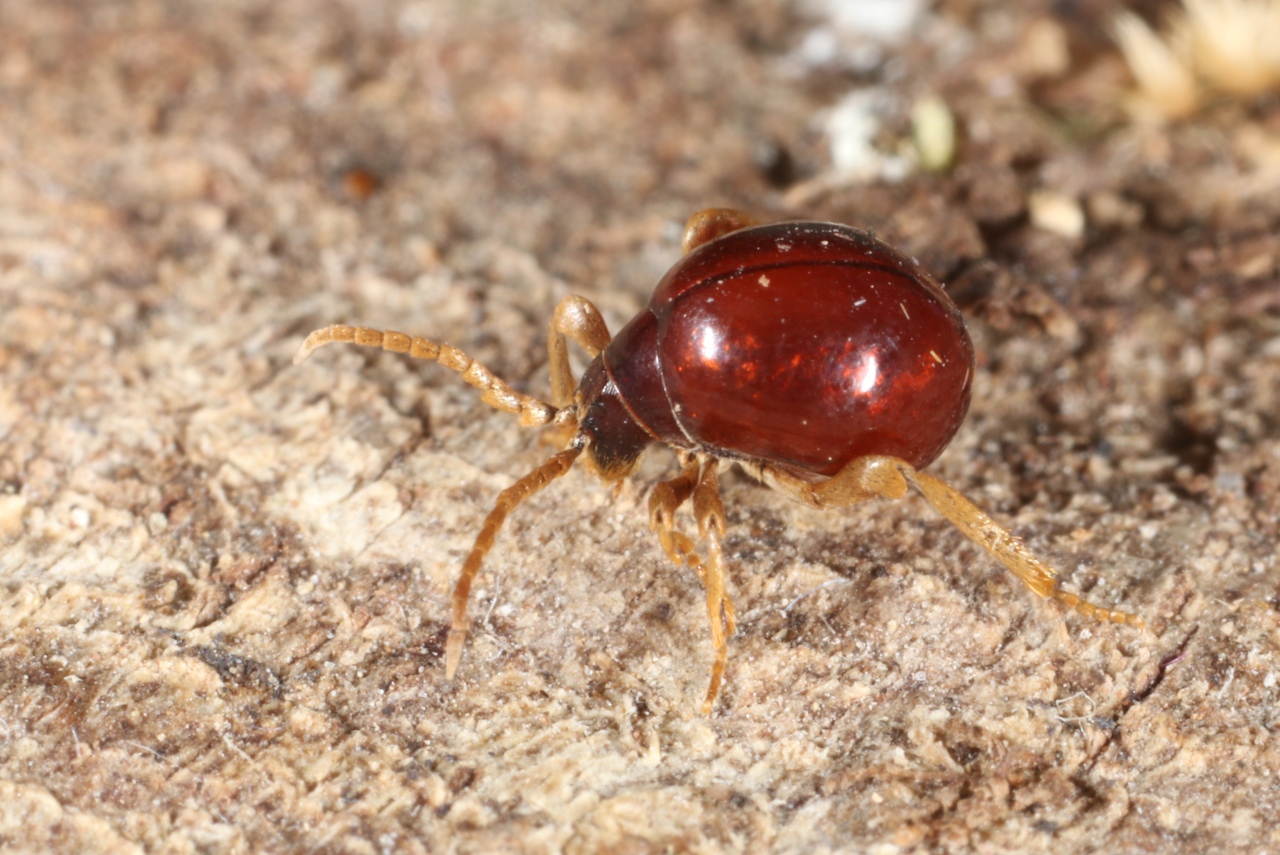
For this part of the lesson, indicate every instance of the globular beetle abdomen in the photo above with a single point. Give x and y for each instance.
(802, 344)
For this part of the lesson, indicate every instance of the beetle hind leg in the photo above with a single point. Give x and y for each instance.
(697, 481)
(887, 477)
(1006, 548)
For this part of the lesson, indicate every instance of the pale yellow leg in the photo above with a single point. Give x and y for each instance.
(708, 510)
(578, 319)
(507, 500)
(861, 479)
(711, 223)
(1007, 549)
(665, 499)
(698, 481)
(887, 477)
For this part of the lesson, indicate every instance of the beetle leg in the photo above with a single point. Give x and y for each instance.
(663, 502)
(861, 479)
(507, 500)
(887, 477)
(708, 510)
(664, 499)
(711, 223)
(698, 480)
(578, 319)
(1006, 548)
(494, 392)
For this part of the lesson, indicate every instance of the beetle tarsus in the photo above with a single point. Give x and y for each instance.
(1100, 613)
(720, 614)
(453, 650)
(708, 512)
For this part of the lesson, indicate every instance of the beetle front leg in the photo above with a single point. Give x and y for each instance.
(577, 318)
(494, 391)
(507, 500)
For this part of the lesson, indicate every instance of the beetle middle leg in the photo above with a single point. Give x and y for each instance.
(665, 499)
(698, 481)
(887, 477)
(708, 510)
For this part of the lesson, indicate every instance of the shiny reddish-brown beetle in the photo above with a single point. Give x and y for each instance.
(825, 363)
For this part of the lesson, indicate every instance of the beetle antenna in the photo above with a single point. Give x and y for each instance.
(494, 392)
(507, 500)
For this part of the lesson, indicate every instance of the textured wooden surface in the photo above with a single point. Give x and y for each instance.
(223, 584)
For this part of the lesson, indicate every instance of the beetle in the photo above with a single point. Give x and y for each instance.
(819, 359)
